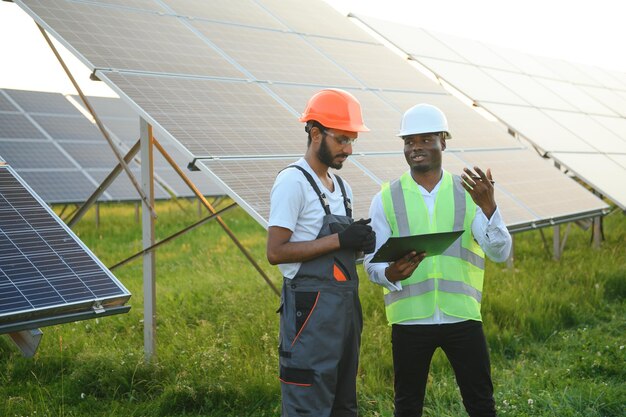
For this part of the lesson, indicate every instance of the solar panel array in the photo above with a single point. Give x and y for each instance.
(64, 157)
(574, 113)
(47, 276)
(226, 81)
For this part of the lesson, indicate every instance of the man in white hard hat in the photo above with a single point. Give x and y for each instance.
(434, 301)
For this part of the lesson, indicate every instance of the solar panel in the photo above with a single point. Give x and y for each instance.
(34, 154)
(476, 53)
(604, 77)
(214, 118)
(259, 51)
(47, 275)
(592, 132)
(375, 66)
(61, 186)
(530, 180)
(17, 126)
(577, 97)
(240, 120)
(535, 125)
(242, 12)
(616, 125)
(413, 41)
(568, 72)
(313, 17)
(526, 64)
(620, 159)
(6, 105)
(250, 182)
(41, 102)
(76, 128)
(473, 82)
(609, 98)
(600, 170)
(56, 165)
(530, 90)
(121, 121)
(126, 38)
(557, 106)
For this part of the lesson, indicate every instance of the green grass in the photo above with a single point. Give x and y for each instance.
(556, 332)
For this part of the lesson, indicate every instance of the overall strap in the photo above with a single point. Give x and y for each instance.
(346, 201)
(320, 194)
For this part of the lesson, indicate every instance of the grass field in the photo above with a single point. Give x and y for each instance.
(556, 331)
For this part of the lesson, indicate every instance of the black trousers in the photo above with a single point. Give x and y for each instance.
(466, 348)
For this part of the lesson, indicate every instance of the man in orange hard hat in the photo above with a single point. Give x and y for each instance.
(314, 241)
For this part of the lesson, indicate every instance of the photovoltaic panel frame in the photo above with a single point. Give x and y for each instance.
(47, 276)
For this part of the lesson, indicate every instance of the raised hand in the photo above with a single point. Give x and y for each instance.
(479, 185)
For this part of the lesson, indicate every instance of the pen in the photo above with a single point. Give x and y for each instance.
(480, 179)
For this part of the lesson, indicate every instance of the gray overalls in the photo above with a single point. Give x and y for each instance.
(320, 328)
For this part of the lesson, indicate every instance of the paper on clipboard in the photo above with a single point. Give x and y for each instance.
(431, 243)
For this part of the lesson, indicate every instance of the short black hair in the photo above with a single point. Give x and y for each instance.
(310, 125)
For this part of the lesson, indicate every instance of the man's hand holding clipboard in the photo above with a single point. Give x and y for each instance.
(405, 253)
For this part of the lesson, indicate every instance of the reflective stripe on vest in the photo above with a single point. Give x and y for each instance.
(422, 287)
(456, 249)
(458, 272)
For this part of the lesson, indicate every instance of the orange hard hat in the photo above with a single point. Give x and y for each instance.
(336, 109)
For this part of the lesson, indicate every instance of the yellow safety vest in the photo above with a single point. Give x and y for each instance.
(454, 280)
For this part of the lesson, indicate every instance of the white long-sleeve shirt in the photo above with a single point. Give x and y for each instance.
(491, 234)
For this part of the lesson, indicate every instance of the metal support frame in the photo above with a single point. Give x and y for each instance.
(146, 192)
(97, 207)
(556, 244)
(510, 261)
(104, 185)
(172, 236)
(544, 240)
(208, 205)
(149, 258)
(597, 232)
(103, 130)
(27, 341)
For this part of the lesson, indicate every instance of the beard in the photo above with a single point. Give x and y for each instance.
(326, 157)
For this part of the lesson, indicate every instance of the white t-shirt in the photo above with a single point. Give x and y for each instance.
(295, 205)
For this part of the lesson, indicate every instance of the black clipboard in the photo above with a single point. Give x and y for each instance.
(431, 243)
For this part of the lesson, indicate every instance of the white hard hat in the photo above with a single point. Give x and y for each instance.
(424, 118)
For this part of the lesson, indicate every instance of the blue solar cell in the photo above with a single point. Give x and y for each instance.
(44, 270)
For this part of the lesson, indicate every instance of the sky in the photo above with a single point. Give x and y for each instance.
(584, 31)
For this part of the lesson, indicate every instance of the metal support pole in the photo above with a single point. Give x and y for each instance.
(556, 242)
(565, 236)
(510, 261)
(597, 232)
(208, 205)
(131, 177)
(97, 215)
(103, 186)
(149, 276)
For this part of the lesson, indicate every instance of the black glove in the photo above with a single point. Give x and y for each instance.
(356, 234)
(369, 244)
